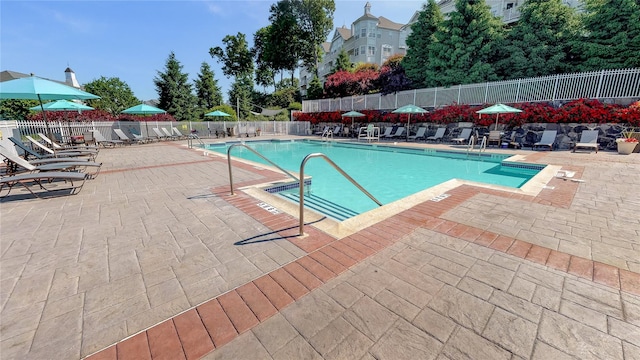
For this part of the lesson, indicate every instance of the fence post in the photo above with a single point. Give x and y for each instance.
(599, 84)
(518, 90)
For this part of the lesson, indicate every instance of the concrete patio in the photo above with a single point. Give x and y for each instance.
(155, 259)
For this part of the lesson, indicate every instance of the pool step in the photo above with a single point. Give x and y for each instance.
(322, 206)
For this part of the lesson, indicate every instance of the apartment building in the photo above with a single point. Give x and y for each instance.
(374, 39)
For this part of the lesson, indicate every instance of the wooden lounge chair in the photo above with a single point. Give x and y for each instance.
(588, 139)
(548, 139)
(494, 137)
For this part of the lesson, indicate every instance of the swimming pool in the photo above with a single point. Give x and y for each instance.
(389, 173)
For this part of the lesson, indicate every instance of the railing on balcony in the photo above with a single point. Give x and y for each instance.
(605, 84)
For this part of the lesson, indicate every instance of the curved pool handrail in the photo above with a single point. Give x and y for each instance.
(342, 172)
(260, 155)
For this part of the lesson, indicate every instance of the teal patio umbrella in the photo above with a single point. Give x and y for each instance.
(498, 109)
(409, 109)
(35, 88)
(143, 109)
(217, 113)
(62, 105)
(353, 114)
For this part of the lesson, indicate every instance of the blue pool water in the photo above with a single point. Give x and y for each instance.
(388, 173)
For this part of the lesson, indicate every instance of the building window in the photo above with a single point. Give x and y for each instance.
(372, 33)
(372, 51)
(363, 32)
(363, 50)
(387, 50)
(356, 52)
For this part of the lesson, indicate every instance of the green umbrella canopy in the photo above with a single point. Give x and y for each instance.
(353, 114)
(217, 113)
(143, 109)
(35, 88)
(498, 109)
(61, 105)
(409, 109)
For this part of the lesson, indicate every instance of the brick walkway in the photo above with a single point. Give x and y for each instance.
(483, 273)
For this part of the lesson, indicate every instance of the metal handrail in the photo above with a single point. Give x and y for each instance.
(190, 140)
(264, 158)
(335, 166)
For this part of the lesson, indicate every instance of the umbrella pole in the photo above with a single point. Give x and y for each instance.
(408, 128)
(44, 116)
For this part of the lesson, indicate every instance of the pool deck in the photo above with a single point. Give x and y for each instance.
(155, 259)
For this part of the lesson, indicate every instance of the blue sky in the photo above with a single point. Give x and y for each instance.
(131, 40)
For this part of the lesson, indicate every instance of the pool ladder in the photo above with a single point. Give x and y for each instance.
(472, 144)
(192, 137)
(301, 183)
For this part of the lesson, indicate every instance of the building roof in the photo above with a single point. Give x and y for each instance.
(7, 75)
(326, 46)
(344, 32)
(385, 23)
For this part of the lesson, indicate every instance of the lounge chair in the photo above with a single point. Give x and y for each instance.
(419, 134)
(41, 158)
(125, 139)
(387, 132)
(494, 137)
(63, 153)
(159, 134)
(588, 139)
(54, 145)
(101, 140)
(322, 132)
(463, 137)
(14, 161)
(399, 132)
(548, 139)
(40, 179)
(438, 136)
(168, 134)
(178, 133)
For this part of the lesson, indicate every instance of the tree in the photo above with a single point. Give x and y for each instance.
(286, 41)
(430, 21)
(241, 94)
(612, 39)
(14, 109)
(342, 62)
(115, 95)
(262, 50)
(316, 21)
(207, 89)
(392, 76)
(465, 48)
(236, 58)
(174, 90)
(539, 43)
(315, 91)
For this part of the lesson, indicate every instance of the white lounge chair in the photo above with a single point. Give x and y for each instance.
(15, 161)
(178, 133)
(438, 136)
(123, 136)
(463, 137)
(159, 134)
(419, 134)
(62, 153)
(588, 139)
(54, 145)
(548, 139)
(494, 137)
(40, 179)
(168, 134)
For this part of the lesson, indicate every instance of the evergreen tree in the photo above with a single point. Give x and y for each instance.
(538, 43)
(430, 20)
(342, 62)
(465, 48)
(115, 95)
(207, 89)
(315, 91)
(612, 38)
(174, 91)
(241, 94)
